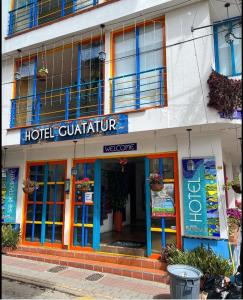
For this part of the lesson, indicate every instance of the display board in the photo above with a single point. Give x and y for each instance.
(9, 194)
(162, 202)
(200, 195)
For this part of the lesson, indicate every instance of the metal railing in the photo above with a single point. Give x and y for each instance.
(71, 102)
(138, 90)
(39, 12)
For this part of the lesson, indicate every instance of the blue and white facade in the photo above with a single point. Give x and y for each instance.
(150, 88)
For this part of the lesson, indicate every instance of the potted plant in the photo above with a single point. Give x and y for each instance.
(234, 223)
(42, 73)
(10, 238)
(234, 184)
(84, 185)
(30, 186)
(117, 193)
(156, 182)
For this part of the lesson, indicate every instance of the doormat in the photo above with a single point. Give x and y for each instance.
(94, 277)
(128, 244)
(57, 269)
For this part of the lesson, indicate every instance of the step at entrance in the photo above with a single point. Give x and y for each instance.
(141, 268)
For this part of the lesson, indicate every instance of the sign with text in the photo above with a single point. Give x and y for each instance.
(9, 195)
(163, 202)
(120, 148)
(201, 217)
(77, 129)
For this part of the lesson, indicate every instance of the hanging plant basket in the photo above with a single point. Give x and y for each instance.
(84, 185)
(236, 188)
(30, 186)
(156, 187)
(42, 74)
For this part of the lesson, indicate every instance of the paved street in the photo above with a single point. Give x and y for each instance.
(12, 289)
(72, 283)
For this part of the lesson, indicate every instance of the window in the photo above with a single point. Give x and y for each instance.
(228, 55)
(139, 67)
(72, 88)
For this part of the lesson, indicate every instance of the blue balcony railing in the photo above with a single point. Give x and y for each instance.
(71, 102)
(139, 90)
(37, 12)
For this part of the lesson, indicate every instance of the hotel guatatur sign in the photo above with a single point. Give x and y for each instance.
(77, 129)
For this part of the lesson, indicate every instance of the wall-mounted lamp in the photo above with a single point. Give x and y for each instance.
(190, 163)
(74, 170)
(102, 54)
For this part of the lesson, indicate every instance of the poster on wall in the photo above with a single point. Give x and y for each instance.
(9, 194)
(163, 202)
(200, 194)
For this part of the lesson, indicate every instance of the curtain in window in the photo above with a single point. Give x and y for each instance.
(237, 31)
(224, 51)
(125, 64)
(151, 57)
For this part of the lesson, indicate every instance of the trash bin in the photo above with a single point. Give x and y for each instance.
(184, 282)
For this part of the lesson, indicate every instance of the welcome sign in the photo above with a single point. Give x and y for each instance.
(77, 129)
(201, 217)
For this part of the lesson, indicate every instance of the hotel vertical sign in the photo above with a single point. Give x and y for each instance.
(201, 218)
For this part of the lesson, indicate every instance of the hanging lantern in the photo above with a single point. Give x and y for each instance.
(123, 162)
(17, 76)
(102, 54)
(190, 163)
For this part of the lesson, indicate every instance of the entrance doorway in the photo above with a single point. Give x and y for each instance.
(123, 186)
(44, 208)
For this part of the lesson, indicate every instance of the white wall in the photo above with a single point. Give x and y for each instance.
(188, 67)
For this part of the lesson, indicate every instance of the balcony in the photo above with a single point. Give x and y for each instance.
(37, 12)
(71, 102)
(138, 91)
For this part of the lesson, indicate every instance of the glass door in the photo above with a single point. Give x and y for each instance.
(163, 211)
(83, 205)
(44, 219)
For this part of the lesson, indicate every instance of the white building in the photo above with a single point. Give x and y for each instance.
(150, 89)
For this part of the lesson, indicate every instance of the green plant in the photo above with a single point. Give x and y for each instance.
(84, 184)
(10, 236)
(224, 94)
(233, 184)
(117, 185)
(155, 178)
(202, 258)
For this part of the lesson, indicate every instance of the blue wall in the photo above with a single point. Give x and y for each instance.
(220, 247)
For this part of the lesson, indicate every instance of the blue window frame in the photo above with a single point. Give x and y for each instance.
(228, 55)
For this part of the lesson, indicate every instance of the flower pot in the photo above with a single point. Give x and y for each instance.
(234, 234)
(236, 188)
(28, 190)
(84, 190)
(156, 187)
(118, 221)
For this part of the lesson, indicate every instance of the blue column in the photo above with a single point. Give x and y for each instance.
(148, 210)
(162, 219)
(34, 209)
(37, 112)
(35, 13)
(43, 220)
(13, 113)
(63, 8)
(78, 82)
(31, 15)
(100, 98)
(137, 70)
(96, 214)
(74, 5)
(34, 92)
(11, 23)
(113, 99)
(67, 100)
(161, 94)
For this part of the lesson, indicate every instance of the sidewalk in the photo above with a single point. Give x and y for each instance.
(73, 281)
